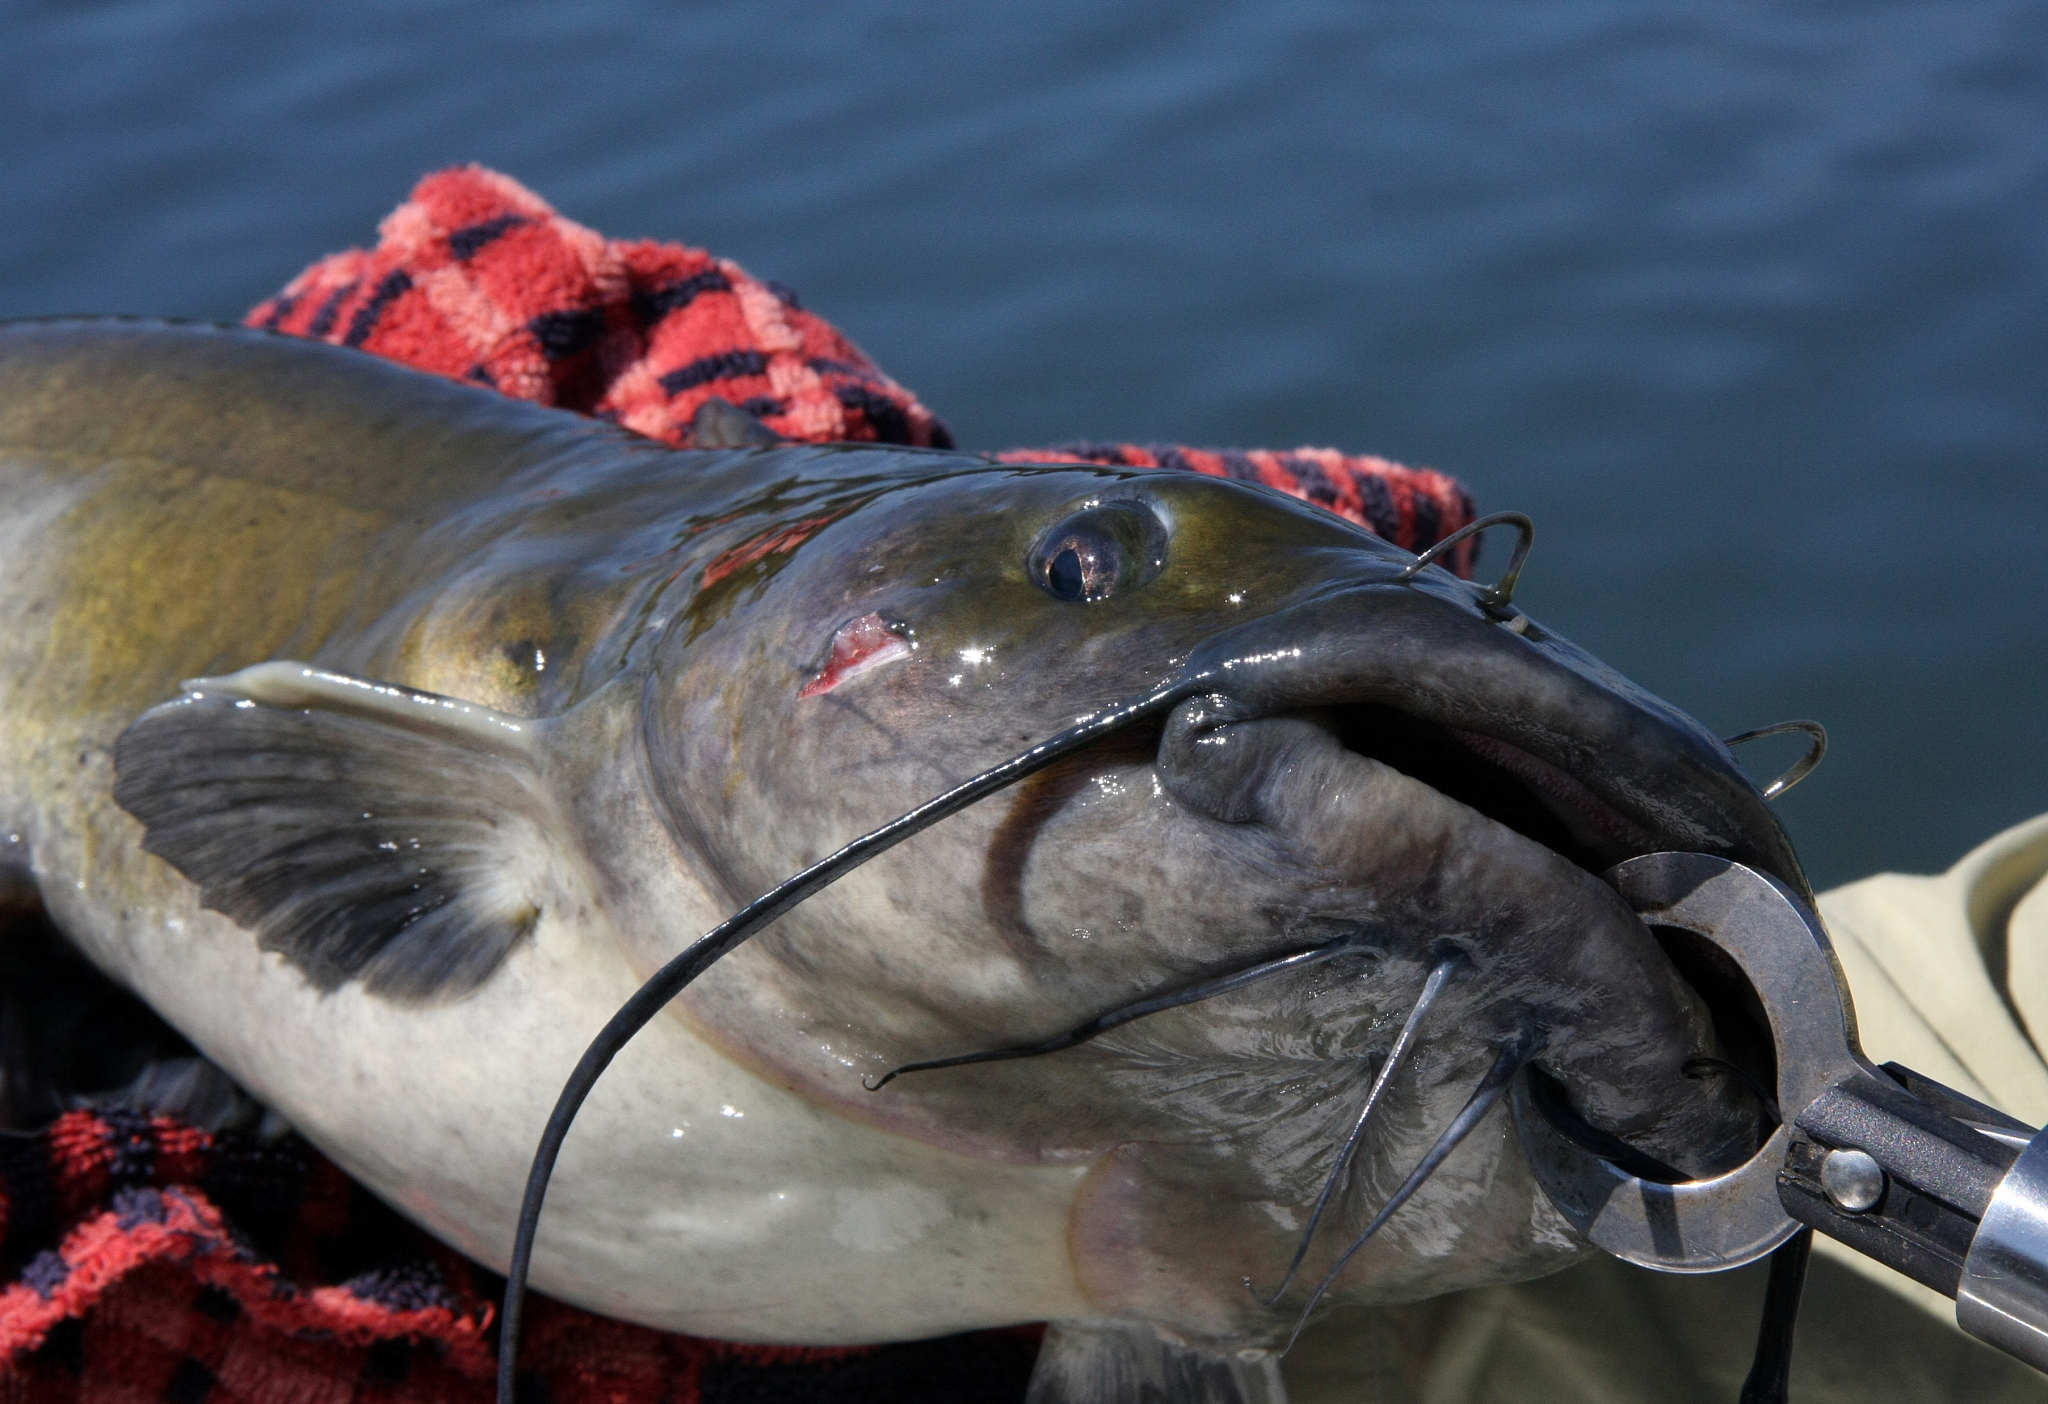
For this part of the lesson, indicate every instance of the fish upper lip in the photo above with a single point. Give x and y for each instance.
(1534, 734)
(1492, 779)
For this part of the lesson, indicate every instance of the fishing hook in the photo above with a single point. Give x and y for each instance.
(1501, 593)
(1431, 988)
(1802, 767)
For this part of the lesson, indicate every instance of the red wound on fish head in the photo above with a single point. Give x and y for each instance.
(867, 642)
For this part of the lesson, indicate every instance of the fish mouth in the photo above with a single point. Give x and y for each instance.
(1523, 792)
(1511, 723)
(1445, 782)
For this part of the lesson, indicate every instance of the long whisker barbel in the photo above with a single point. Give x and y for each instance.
(669, 981)
(1514, 1055)
(1136, 1009)
(1396, 1056)
(1802, 767)
(1501, 593)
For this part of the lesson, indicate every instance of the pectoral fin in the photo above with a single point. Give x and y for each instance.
(361, 830)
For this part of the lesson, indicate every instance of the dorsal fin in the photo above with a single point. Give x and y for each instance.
(363, 831)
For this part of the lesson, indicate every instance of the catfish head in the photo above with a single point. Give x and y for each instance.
(1183, 956)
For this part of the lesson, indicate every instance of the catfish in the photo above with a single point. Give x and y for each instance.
(383, 735)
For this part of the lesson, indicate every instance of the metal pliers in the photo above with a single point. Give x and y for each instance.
(1948, 1191)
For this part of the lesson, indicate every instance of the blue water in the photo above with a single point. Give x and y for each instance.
(1747, 303)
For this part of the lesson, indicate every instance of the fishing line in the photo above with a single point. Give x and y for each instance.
(665, 984)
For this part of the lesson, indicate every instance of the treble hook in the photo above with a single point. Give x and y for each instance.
(1501, 592)
(1802, 767)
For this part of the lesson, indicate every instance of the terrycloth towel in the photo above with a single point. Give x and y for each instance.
(475, 277)
(150, 1261)
(145, 1260)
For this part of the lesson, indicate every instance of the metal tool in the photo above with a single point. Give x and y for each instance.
(1950, 1192)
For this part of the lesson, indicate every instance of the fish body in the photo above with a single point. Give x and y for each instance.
(385, 734)
(233, 513)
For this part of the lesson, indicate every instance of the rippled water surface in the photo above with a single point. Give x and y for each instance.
(1746, 304)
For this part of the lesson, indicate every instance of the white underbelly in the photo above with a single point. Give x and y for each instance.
(692, 1195)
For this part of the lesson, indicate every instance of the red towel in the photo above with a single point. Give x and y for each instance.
(475, 277)
(149, 1261)
(146, 1260)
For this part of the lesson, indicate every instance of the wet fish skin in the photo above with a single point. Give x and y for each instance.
(178, 501)
(182, 502)
(1096, 885)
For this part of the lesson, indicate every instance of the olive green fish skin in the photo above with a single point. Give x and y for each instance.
(180, 502)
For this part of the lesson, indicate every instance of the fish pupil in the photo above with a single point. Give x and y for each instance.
(1066, 575)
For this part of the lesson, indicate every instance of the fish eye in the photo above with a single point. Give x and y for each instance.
(1098, 551)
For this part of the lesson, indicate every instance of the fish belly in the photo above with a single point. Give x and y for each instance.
(176, 503)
